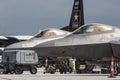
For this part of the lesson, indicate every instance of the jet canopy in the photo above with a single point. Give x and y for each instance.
(90, 28)
(51, 32)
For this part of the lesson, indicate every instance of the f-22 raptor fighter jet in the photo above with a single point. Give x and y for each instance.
(89, 42)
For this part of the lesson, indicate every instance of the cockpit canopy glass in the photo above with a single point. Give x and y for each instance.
(45, 34)
(51, 32)
(90, 28)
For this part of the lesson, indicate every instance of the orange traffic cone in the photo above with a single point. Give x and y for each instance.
(112, 68)
(46, 62)
(46, 65)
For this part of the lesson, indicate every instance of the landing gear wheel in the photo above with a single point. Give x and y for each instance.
(65, 72)
(18, 70)
(33, 70)
(61, 71)
(115, 72)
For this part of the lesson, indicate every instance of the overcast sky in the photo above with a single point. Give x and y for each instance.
(27, 17)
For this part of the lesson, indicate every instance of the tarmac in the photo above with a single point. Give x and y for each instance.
(57, 76)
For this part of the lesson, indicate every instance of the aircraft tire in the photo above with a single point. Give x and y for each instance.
(61, 71)
(115, 72)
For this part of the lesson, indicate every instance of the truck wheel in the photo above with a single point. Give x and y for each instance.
(5, 72)
(11, 72)
(33, 70)
(18, 70)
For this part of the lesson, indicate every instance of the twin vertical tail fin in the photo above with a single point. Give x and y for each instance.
(77, 16)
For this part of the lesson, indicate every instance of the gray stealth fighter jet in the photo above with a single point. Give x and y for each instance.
(89, 42)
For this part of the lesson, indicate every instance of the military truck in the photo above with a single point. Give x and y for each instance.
(17, 61)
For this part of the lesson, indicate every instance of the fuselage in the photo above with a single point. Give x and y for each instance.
(93, 41)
